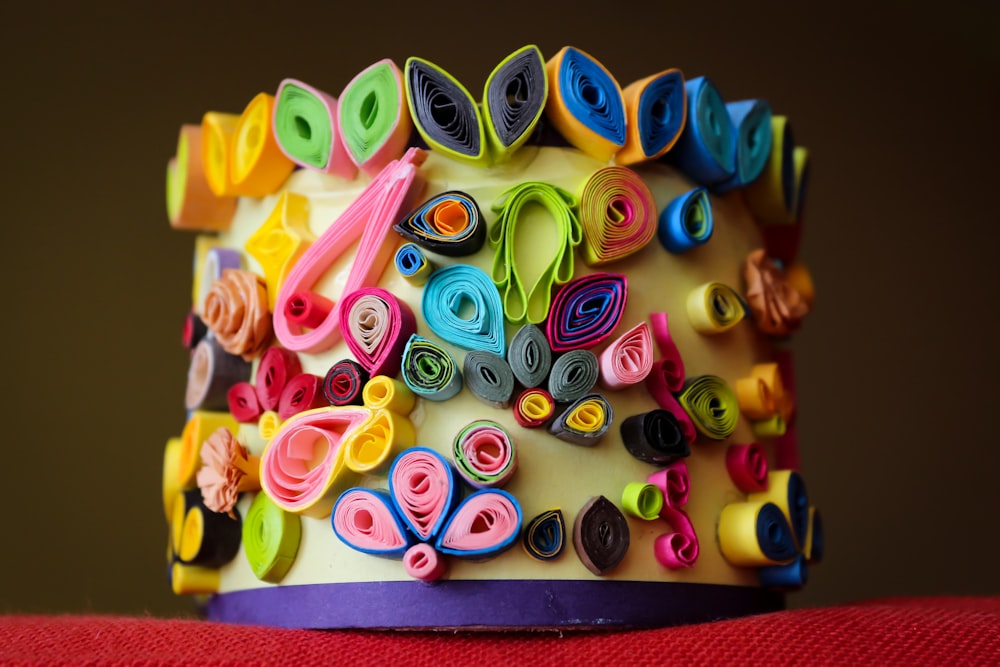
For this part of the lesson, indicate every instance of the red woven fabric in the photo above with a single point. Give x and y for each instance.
(952, 631)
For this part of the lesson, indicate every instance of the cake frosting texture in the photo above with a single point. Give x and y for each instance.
(512, 362)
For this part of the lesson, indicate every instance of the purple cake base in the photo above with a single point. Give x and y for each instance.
(491, 604)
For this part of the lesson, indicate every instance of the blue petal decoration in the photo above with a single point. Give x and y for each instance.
(462, 306)
(706, 150)
(686, 222)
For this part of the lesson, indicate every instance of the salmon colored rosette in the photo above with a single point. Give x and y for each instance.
(236, 312)
(777, 306)
(228, 470)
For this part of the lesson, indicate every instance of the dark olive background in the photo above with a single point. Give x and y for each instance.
(897, 367)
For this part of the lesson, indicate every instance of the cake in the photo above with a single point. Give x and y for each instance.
(512, 362)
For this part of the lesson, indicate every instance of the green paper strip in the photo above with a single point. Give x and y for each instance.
(373, 121)
(303, 124)
(712, 406)
(270, 539)
(643, 501)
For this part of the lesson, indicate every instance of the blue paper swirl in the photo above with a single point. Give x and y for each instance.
(462, 306)
(661, 112)
(774, 536)
(686, 221)
(752, 121)
(785, 577)
(706, 149)
(411, 261)
(586, 311)
(592, 96)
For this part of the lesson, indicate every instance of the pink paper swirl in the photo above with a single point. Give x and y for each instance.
(680, 548)
(629, 359)
(423, 487)
(747, 466)
(486, 523)
(376, 326)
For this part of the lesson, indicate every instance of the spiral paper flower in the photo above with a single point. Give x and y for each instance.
(228, 470)
(236, 312)
(778, 308)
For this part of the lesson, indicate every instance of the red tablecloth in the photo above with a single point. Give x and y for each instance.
(908, 631)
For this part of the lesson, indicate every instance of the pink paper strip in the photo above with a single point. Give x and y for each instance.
(680, 548)
(747, 466)
(629, 359)
(423, 563)
(376, 326)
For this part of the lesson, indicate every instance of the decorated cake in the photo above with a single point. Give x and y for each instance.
(510, 361)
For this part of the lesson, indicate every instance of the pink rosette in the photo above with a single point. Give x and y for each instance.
(629, 359)
(227, 470)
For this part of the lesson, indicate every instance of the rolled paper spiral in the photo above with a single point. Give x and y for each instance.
(601, 535)
(218, 132)
(523, 303)
(376, 325)
(307, 309)
(747, 466)
(305, 125)
(413, 265)
(268, 425)
(303, 392)
(344, 383)
(301, 465)
(384, 392)
(712, 406)
(755, 398)
(534, 408)
(194, 330)
(444, 113)
(270, 539)
(199, 426)
(192, 579)
(813, 547)
(655, 437)
(462, 306)
(372, 119)
(573, 375)
(276, 367)
(772, 427)
(679, 549)
(714, 308)
(449, 224)
(643, 501)
(171, 474)
(751, 121)
(586, 311)
(422, 562)
(530, 356)
(800, 157)
(544, 538)
(211, 372)
(629, 359)
(771, 197)
(485, 454)
(366, 521)
(706, 149)
(362, 225)
(585, 103)
(618, 214)
(656, 112)
(788, 577)
(208, 539)
(191, 204)
(489, 378)
(279, 242)
(686, 222)
(429, 370)
(372, 444)
(513, 101)
(424, 491)
(216, 261)
(483, 525)
(787, 491)
(584, 422)
(755, 534)
(666, 378)
(257, 166)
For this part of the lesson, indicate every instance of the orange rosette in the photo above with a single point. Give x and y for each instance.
(236, 312)
(778, 307)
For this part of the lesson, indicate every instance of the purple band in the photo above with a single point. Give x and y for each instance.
(525, 604)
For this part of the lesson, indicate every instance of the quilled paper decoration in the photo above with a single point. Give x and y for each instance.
(194, 330)
(711, 404)
(486, 523)
(643, 501)
(513, 101)
(461, 305)
(787, 490)
(303, 392)
(257, 167)
(544, 537)
(601, 535)
(228, 469)
(755, 534)
(191, 204)
(777, 307)
(376, 325)
(236, 312)
(521, 302)
(305, 126)
(303, 460)
(667, 374)
(680, 548)
(489, 378)
(762, 394)
(655, 437)
(485, 454)
(268, 425)
(429, 370)
(706, 149)
(193, 579)
(444, 112)
(586, 311)
(217, 135)
(413, 264)
(421, 562)
(714, 308)
(573, 375)
(366, 520)
(270, 539)
(584, 422)
(534, 408)
(216, 260)
(171, 481)
(530, 356)
(747, 466)
(207, 538)
(372, 119)
(243, 403)
(276, 367)
(627, 360)
(449, 224)
(656, 112)
(364, 222)
(211, 372)
(618, 214)
(383, 392)
(751, 121)
(771, 197)
(199, 426)
(369, 447)
(344, 383)
(813, 548)
(307, 310)
(281, 240)
(772, 427)
(585, 103)
(686, 222)
(789, 576)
